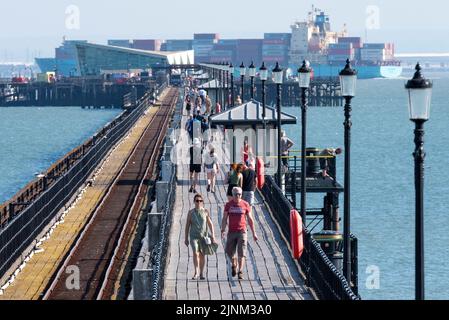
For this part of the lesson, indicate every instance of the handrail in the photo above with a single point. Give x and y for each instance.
(320, 272)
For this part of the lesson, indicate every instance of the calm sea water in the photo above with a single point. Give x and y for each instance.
(382, 186)
(32, 138)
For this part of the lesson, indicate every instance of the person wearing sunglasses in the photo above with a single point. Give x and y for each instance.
(236, 211)
(197, 225)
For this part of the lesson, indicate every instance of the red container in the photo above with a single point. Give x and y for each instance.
(147, 44)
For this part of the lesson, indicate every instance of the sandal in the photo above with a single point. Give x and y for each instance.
(234, 270)
(195, 277)
(202, 278)
(241, 275)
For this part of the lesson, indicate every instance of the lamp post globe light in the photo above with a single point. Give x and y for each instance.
(304, 82)
(277, 78)
(242, 78)
(348, 80)
(252, 74)
(419, 97)
(231, 71)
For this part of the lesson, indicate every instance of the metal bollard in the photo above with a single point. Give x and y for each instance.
(161, 195)
(154, 221)
(166, 170)
(142, 284)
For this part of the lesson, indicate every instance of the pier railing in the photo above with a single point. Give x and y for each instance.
(25, 216)
(320, 272)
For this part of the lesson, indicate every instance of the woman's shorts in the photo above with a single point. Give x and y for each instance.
(211, 170)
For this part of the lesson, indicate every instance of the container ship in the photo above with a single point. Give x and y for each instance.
(328, 50)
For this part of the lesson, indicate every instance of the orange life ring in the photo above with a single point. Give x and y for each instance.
(296, 236)
(260, 169)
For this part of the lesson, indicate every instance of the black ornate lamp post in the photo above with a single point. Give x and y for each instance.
(242, 78)
(252, 74)
(348, 80)
(277, 78)
(221, 82)
(419, 97)
(214, 72)
(263, 73)
(226, 84)
(304, 83)
(231, 71)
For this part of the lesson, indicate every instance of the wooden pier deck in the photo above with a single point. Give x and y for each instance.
(270, 273)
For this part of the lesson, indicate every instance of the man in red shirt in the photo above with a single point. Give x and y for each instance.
(236, 211)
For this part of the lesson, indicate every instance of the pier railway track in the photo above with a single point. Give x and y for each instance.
(93, 266)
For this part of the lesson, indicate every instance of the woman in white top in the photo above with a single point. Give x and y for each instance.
(211, 166)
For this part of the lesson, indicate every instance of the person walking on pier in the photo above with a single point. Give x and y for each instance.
(208, 105)
(212, 167)
(197, 225)
(249, 182)
(217, 108)
(236, 211)
(247, 151)
(195, 163)
(235, 179)
(238, 101)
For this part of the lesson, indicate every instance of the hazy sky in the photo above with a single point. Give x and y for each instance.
(30, 27)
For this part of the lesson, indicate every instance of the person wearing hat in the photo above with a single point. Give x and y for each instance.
(196, 153)
(237, 211)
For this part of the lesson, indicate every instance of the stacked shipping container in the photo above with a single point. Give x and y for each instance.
(177, 45)
(376, 52)
(276, 48)
(147, 44)
(338, 52)
(249, 50)
(224, 50)
(203, 44)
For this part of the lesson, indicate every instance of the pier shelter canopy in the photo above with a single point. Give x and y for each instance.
(246, 122)
(93, 59)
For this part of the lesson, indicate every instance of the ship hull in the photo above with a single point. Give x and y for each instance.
(363, 72)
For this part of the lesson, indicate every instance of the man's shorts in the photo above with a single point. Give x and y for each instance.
(236, 241)
(195, 168)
